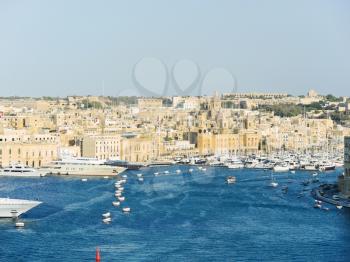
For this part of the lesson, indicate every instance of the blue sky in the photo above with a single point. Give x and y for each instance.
(81, 47)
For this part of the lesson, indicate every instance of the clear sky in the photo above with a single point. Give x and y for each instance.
(81, 47)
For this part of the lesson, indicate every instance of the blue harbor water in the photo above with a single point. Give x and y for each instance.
(176, 217)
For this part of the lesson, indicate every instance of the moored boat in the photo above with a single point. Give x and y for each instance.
(15, 207)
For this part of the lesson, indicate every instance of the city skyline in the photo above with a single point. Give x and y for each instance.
(287, 47)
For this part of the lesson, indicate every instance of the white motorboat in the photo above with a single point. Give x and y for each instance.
(126, 209)
(326, 166)
(273, 184)
(21, 171)
(19, 224)
(107, 220)
(235, 164)
(339, 207)
(105, 215)
(166, 172)
(311, 167)
(140, 179)
(118, 194)
(281, 168)
(190, 170)
(84, 179)
(231, 180)
(15, 207)
(139, 175)
(178, 171)
(121, 198)
(116, 203)
(317, 205)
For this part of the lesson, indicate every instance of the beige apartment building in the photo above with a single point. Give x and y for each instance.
(244, 142)
(30, 150)
(102, 147)
(139, 149)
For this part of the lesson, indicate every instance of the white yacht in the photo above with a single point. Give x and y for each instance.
(83, 166)
(21, 171)
(15, 207)
(235, 164)
(281, 168)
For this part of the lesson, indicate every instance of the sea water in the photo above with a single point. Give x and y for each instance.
(176, 217)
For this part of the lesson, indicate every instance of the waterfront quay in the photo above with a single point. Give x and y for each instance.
(329, 193)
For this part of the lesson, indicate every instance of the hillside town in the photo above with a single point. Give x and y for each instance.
(36, 131)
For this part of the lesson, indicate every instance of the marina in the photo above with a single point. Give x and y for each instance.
(190, 212)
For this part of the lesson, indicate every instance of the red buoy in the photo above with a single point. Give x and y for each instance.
(98, 257)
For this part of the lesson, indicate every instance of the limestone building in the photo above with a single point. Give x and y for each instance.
(344, 180)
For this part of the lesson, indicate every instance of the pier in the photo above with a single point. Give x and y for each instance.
(326, 192)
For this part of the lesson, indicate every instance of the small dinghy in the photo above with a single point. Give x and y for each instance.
(19, 224)
(166, 172)
(293, 171)
(178, 171)
(126, 209)
(105, 215)
(107, 220)
(190, 170)
(156, 173)
(339, 207)
(231, 179)
(273, 184)
(118, 194)
(124, 176)
(106, 177)
(317, 205)
(204, 169)
(140, 179)
(116, 203)
(139, 175)
(84, 179)
(121, 198)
